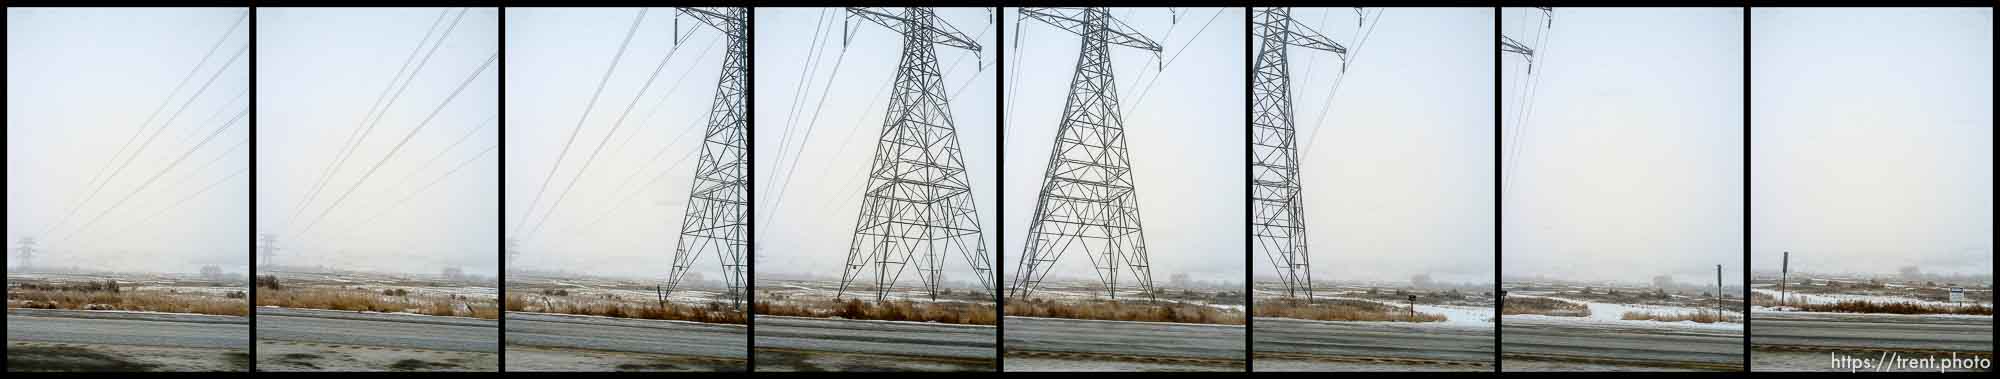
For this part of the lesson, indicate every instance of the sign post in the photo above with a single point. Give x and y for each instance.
(1784, 275)
(1957, 295)
(1413, 308)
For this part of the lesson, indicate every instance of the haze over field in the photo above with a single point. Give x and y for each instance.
(624, 214)
(1400, 180)
(1882, 158)
(84, 83)
(1631, 162)
(320, 71)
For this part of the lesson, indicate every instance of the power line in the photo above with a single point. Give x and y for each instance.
(615, 57)
(447, 149)
(375, 113)
(211, 162)
(1351, 57)
(151, 137)
(194, 132)
(655, 109)
(156, 176)
(399, 144)
(369, 220)
(1171, 59)
(810, 124)
(149, 120)
(184, 199)
(807, 73)
(615, 124)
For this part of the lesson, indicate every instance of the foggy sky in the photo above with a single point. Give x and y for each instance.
(1400, 183)
(636, 189)
(1631, 164)
(810, 229)
(319, 70)
(1186, 138)
(1873, 139)
(80, 83)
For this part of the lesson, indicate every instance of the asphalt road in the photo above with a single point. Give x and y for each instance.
(1146, 339)
(1621, 346)
(876, 337)
(1383, 340)
(219, 332)
(378, 329)
(639, 336)
(1873, 331)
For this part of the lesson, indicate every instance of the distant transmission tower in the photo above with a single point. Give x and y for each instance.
(513, 251)
(27, 249)
(714, 220)
(267, 250)
(1279, 221)
(1088, 201)
(917, 206)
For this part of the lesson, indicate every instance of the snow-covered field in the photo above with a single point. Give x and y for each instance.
(1455, 315)
(1822, 298)
(803, 293)
(1608, 314)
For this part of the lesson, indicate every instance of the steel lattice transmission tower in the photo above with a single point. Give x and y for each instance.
(1087, 201)
(267, 250)
(27, 249)
(1278, 221)
(917, 207)
(715, 218)
(513, 249)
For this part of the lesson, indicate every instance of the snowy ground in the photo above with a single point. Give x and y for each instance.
(1455, 315)
(1611, 315)
(1822, 298)
(1083, 292)
(815, 293)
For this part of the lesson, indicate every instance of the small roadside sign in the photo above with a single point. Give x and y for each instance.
(1957, 294)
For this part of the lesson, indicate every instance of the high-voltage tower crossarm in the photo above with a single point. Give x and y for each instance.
(940, 32)
(1075, 20)
(1508, 44)
(1088, 203)
(719, 18)
(715, 219)
(917, 208)
(1278, 222)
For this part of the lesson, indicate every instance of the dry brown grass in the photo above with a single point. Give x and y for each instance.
(711, 313)
(1705, 317)
(1858, 306)
(343, 299)
(127, 300)
(893, 310)
(1341, 310)
(1119, 311)
(1861, 306)
(1542, 306)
